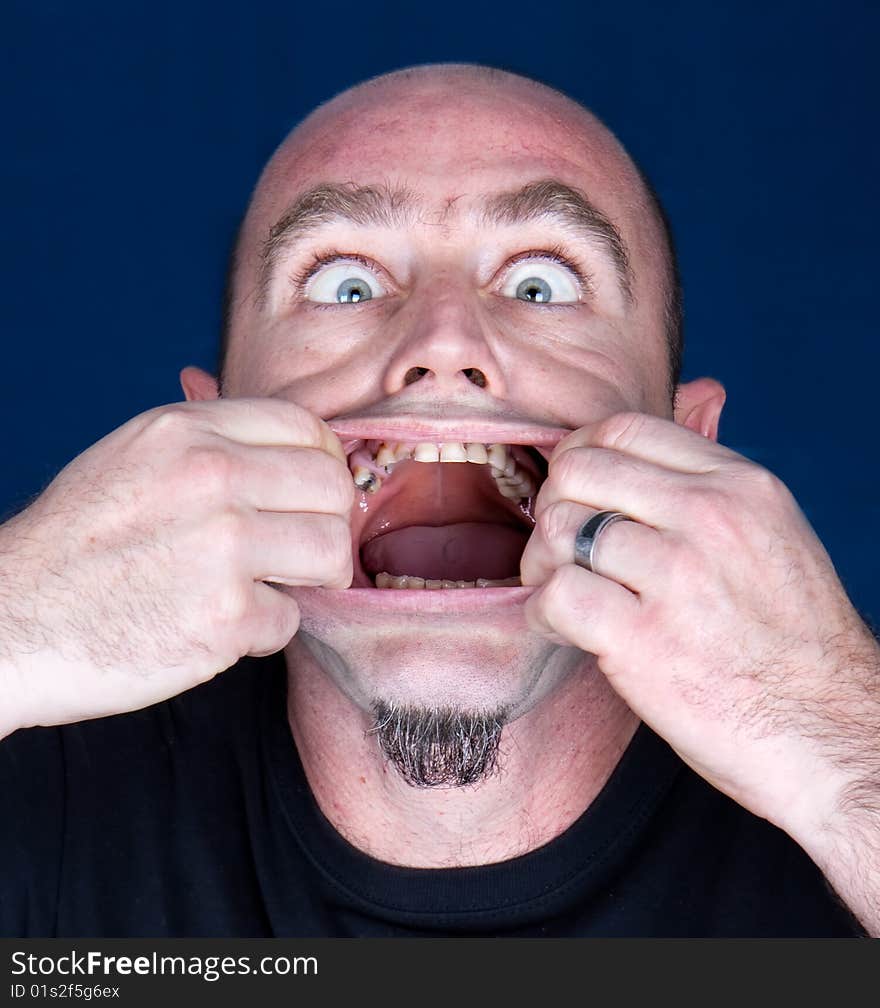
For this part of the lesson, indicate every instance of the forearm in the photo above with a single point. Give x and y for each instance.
(844, 837)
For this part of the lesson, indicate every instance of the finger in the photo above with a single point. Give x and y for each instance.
(653, 439)
(607, 480)
(273, 622)
(273, 478)
(632, 554)
(582, 609)
(551, 544)
(255, 422)
(299, 549)
(627, 552)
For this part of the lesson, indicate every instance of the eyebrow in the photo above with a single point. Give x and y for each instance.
(332, 203)
(388, 207)
(552, 200)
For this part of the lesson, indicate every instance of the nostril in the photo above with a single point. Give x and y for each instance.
(476, 376)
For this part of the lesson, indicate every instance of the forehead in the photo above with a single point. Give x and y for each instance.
(451, 143)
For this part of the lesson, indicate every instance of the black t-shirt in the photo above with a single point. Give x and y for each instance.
(193, 818)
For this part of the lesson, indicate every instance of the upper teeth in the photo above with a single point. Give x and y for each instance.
(375, 459)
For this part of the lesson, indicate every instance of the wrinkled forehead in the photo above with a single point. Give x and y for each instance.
(451, 144)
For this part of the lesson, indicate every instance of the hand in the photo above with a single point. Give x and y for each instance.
(141, 570)
(717, 615)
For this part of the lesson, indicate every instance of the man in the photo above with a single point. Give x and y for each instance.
(450, 366)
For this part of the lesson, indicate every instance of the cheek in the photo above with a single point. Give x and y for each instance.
(578, 369)
(300, 352)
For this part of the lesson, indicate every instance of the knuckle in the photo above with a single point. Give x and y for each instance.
(621, 429)
(340, 489)
(571, 467)
(742, 489)
(208, 470)
(754, 480)
(228, 532)
(310, 429)
(768, 484)
(707, 503)
(713, 511)
(555, 521)
(169, 421)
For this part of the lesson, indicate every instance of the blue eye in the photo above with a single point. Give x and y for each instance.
(352, 290)
(534, 289)
(343, 283)
(541, 281)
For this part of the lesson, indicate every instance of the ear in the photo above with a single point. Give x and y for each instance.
(698, 406)
(198, 385)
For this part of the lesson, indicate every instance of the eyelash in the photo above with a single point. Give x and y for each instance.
(321, 259)
(555, 254)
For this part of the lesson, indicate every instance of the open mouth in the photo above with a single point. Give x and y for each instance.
(442, 515)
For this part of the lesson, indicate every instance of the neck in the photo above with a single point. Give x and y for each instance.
(553, 762)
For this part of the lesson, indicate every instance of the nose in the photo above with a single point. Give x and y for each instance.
(443, 343)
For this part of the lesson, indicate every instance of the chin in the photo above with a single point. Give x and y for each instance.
(472, 674)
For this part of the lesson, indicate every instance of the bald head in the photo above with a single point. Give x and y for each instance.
(454, 115)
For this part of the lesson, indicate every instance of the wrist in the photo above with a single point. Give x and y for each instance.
(847, 851)
(838, 821)
(25, 654)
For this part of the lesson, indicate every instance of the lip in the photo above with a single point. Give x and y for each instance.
(365, 603)
(448, 428)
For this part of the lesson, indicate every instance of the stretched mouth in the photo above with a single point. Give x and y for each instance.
(434, 515)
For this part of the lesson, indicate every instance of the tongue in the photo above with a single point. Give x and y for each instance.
(461, 552)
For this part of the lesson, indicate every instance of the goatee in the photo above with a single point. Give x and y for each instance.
(438, 747)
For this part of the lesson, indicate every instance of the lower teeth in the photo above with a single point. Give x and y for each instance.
(386, 580)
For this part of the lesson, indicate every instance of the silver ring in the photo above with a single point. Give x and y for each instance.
(588, 535)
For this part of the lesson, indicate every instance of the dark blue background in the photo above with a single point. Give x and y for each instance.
(133, 134)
